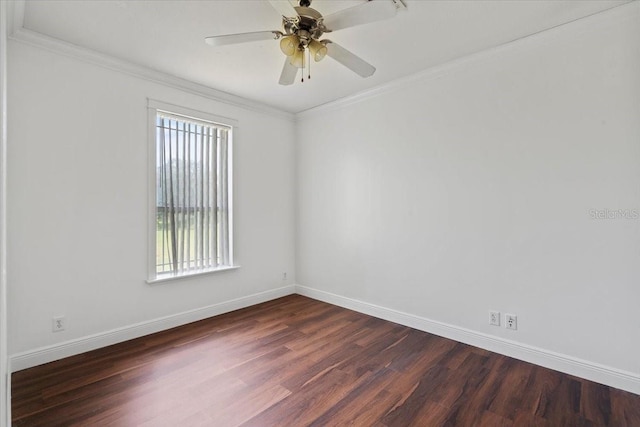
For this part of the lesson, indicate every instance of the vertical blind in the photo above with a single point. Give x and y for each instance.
(192, 199)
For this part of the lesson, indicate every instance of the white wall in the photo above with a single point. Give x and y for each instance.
(5, 406)
(77, 208)
(469, 189)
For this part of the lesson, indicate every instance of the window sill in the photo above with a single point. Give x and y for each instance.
(169, 278)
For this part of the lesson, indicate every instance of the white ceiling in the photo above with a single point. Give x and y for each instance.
(168, 36)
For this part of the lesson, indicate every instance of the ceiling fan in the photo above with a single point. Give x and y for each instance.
(302, 29)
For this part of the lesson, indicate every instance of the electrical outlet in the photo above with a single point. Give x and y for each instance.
(284, 276)
(511, 321)
(59, 324)
(494, 318)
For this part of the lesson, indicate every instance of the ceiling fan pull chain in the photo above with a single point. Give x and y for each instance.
(309, 61)
(302, 69)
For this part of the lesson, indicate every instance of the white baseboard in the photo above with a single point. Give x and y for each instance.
(570, 365)
(47, 354)
(560, 362)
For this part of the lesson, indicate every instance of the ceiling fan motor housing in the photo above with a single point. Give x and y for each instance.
(307, 25)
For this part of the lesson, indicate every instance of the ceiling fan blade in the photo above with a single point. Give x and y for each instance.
(242, 38)
(289, 73)
(284, 8)
(371, 11)
(349, 60)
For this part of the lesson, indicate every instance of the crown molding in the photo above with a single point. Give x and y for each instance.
(610, 17)
(32, 38)
(15, 15)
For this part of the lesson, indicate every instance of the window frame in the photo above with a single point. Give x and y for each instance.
(153, 107)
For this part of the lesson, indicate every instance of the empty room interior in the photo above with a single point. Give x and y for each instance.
(293, 213)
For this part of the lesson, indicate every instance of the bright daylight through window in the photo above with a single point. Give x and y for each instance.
(192, 209)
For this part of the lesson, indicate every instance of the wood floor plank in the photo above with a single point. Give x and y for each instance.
(625, 408)
(344, 411)
(369, 414)
(595, 403)
(512, 390)
(295, 361)
(409, 408)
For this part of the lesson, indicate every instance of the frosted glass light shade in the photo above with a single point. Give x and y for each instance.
(318, 50)
(289, 45)
(297, 59)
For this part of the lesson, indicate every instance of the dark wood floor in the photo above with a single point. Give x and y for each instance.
(298, 362)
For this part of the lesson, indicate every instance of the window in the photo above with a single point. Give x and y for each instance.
(191, 212)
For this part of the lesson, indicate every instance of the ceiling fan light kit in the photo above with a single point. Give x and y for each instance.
(297, 59)
(303, 27)
(318, 50)
(289, 44)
